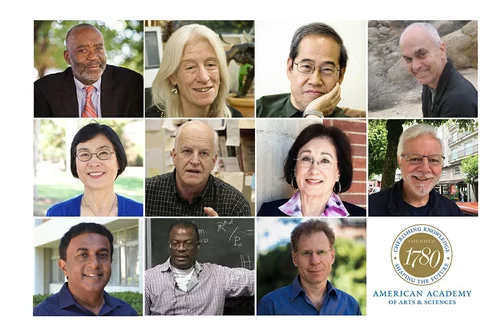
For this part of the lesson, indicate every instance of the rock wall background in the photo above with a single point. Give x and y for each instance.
(392, 91)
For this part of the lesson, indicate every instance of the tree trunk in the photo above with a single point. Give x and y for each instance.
(394, 130)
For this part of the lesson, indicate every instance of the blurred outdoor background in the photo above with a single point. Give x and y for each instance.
(123, 44)
(53, 180)
(275, 268)
(459, 178)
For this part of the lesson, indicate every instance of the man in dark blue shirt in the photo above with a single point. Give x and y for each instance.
(64, 304)
(86, 252)
(310, 293)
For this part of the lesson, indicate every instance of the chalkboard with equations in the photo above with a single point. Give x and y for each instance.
(225, 241)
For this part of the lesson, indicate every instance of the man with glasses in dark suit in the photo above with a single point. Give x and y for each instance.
(315, 67)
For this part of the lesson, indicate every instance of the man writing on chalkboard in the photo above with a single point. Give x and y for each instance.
(311, 293)
(183, 286)
(190, 190)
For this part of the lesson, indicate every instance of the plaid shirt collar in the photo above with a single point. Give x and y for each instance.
(197, 269)
(166, 267)
(198, 198)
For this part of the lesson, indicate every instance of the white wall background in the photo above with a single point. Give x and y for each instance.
(273, 141)
(272, 46)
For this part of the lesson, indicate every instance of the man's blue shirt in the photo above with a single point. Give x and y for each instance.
(62, 303)
(292, 300)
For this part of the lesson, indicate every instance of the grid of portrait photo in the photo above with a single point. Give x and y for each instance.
(230, 167)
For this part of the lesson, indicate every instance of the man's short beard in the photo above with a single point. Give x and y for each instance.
(83, 76)
(415, 187)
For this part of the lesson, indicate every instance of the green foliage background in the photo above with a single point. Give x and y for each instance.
(470, 168)
(382, 154)
(377, 146)
(124, 48)
(53, 145)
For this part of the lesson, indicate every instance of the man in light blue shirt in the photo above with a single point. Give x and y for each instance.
(310, 293)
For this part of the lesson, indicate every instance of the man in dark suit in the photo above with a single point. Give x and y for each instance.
(116, 91)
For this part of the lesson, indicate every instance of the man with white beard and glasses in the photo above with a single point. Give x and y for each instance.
(420, 158)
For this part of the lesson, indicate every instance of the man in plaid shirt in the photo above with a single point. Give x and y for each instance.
(190, 190)
(183, 286)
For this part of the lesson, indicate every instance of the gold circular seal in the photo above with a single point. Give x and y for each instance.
(421, 254)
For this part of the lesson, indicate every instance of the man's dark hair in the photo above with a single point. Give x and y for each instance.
(342, 147)
(308, 227)
(186, 225)
(318, 29)
(82, 228)
(89, 132)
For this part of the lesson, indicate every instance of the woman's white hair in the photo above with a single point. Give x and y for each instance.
(172, 55)
(414, 131)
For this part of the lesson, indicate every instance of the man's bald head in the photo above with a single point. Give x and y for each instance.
(199, 128)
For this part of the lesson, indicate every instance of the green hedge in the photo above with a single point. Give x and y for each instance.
(134, 299)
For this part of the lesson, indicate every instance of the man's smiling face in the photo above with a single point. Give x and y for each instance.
(420, 179)
(88, 264)
(424, 58)
(321, 52)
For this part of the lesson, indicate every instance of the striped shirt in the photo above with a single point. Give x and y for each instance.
(162, 199)
(206, 292)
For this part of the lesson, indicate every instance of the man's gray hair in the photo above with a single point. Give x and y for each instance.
(415, 131)
(79, 27)
(431, 31)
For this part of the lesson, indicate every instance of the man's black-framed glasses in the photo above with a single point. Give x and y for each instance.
(186, 245)
(308, 67)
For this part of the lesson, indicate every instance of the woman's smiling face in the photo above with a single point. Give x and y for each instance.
(317, 178)
(97, 174)
(197, 76)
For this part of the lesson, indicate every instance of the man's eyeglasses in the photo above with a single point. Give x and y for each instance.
(101, 155)
(309, 253)
(307, 67)
(186, 245)
(324, 162)
(417, 159)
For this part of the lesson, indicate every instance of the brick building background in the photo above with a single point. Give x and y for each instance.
(274, 138)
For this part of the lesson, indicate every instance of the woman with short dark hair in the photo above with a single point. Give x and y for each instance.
(97, 159)
(319, 166)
